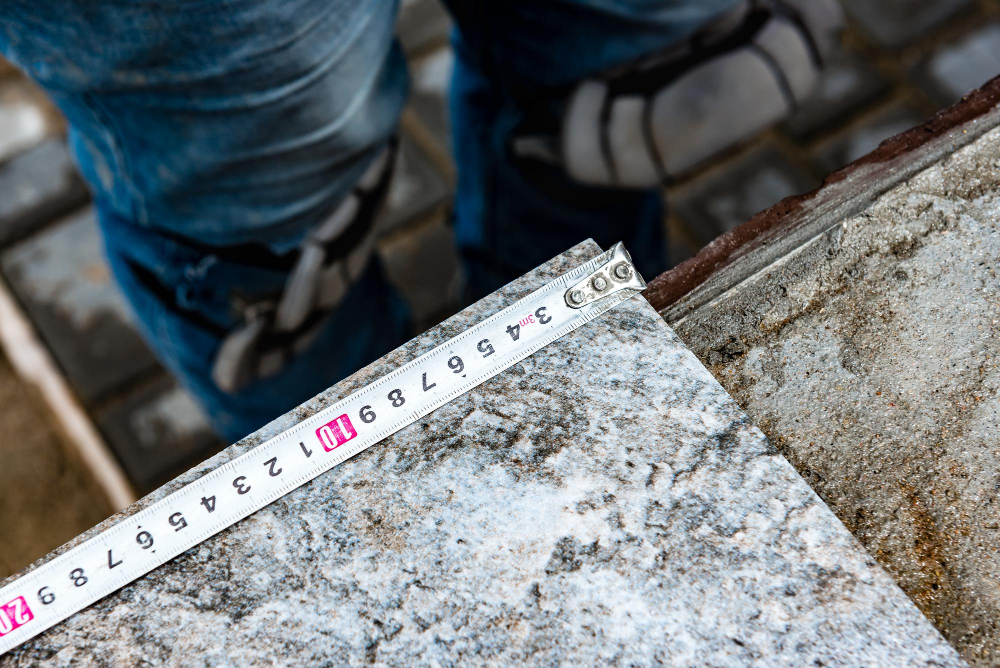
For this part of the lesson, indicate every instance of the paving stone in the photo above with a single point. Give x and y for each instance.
(863, 137)
(870, 356)
(603, 502)
(62, 279)
(38, 187)
(848, 83)
(158, 433)
(963, 65)
(422, 23)
(893, 23)
(24, 122)
(423, 265)
(431, 76)
(729, 195)
(417, 187)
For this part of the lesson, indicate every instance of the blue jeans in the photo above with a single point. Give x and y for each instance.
(207, 128)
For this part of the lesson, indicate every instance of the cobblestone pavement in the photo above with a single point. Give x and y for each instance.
(903, 60)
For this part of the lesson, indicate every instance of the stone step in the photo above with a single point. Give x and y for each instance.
(859, 326)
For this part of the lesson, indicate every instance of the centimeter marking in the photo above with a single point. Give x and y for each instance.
(153, 536)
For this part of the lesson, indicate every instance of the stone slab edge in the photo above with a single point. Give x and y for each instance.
(792, 222)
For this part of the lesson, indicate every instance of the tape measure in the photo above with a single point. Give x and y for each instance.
(153, 536)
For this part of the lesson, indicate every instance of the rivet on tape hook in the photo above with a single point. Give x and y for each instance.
(615, 275)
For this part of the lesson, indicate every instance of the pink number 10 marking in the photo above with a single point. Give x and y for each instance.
(335, 433)
(13, 615)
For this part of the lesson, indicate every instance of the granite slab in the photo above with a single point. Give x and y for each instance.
(602, 502)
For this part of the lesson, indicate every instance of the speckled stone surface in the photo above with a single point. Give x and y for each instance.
(869, 357)
(604, 502)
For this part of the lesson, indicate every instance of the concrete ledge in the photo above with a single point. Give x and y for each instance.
(775, 232)
(859, 326)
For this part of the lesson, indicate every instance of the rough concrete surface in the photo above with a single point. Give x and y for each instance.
(603, 502)
(869, 357)
(46, 496)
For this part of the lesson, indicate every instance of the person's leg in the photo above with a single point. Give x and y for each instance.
(514, 61)
(223, 142)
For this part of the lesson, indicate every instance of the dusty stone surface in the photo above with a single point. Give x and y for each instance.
(416, 188)
(604, 502)
(46, 495)
(869, 357)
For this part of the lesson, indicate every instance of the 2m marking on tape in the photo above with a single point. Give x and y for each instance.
(336, 432)
(13, 615)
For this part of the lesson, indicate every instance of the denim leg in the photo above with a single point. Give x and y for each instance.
(515, 59)
(208, 125)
